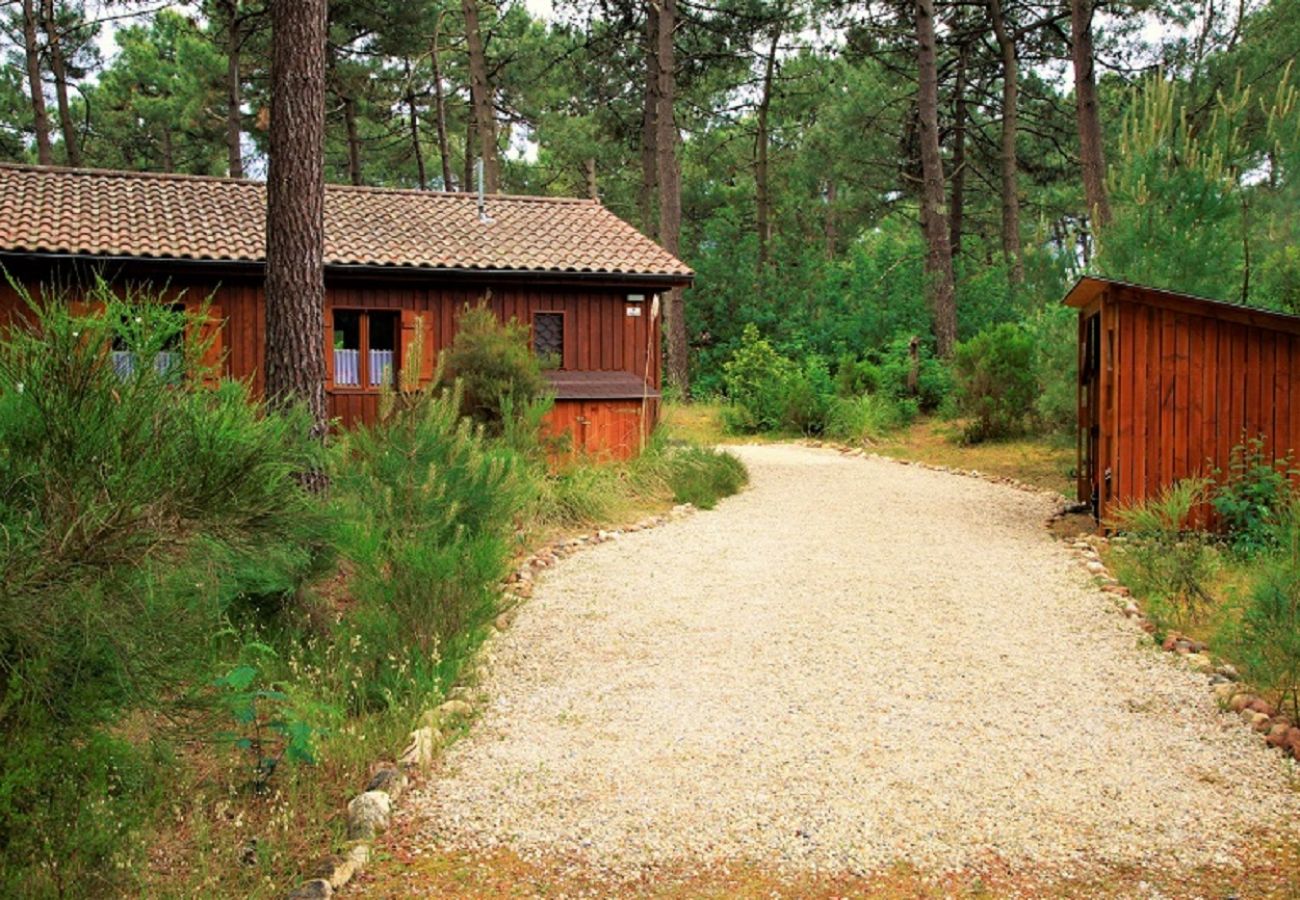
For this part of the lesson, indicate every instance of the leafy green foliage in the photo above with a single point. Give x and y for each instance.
(140, 514)
(494, 365)
(1253, 496)
(1266, 637)
(426, 507)
(1164, 558)
(702, 475)
(867, 418)
(997, 381)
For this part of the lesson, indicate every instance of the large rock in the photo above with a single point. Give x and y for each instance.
(369, 814)
(316, 889)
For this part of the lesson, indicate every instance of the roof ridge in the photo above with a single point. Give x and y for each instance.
(129, 174)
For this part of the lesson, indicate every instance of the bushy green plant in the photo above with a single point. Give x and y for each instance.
(703, 475)
(1255, 492)
(1165, 558)
(867, 418)
(1266, 638)
(139, 513)
(1054, 330)
(895, 363)
(755, 378)
(997, 381)
(426, 506)
(495, 365)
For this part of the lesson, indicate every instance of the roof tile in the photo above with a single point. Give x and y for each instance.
(155, 216)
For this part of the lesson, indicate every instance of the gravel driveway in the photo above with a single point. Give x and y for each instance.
(853, 663)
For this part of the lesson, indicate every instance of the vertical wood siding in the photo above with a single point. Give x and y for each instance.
(599, 335)
(1188, 388)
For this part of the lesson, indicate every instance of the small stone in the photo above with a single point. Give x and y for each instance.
(1239, 702)
(1277, 734)
(1224, 692)
(1228, 671)
(1169, 642)
(335, 869)
(1262, 706)
(359, 854)
(501, 622)
(369, 814)
(316, 889)
(454, 709)
(419, 752)
(388, 779)
(1262, 723)
(1293, 740)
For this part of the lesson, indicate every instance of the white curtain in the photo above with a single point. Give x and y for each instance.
(347, 367)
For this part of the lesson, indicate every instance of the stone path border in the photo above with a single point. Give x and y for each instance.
(370, 812)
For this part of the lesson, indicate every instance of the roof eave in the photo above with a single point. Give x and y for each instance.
(556, 276)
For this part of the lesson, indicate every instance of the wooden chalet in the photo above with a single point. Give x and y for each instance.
(582, 279)
(1169, 384)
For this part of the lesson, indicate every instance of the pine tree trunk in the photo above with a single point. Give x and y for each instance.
(670, 194)
(295, 218)
(1010, 113)
(440, 106)
(40, 115)
(468, 183)
(957, 206)
(234, 92)
(354, 140)
(762, 194)
(1092, 153)
(413, 118)
(649, 158)
(58, 68)
(485, 123)
(593, 190)
(938, 260)
(831, 228)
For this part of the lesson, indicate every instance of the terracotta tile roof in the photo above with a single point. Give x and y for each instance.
(104, 213)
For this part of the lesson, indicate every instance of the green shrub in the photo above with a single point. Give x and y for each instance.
(495, 365)
(755, 379)
(1056, 360)
(426, 506)
(855, 377)
(1253, 496)
(997, 381)
(933, 378)
(1164, 558)
(702, 476)
(1266, 639)
(867, 418)
(140, 513)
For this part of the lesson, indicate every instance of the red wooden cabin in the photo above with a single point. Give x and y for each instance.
(396, 260)
(1169, 384)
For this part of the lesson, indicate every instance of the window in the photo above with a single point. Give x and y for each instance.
(151, 332)
(548, 338)
(365, 348)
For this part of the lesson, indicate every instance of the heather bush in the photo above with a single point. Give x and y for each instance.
(140, 514)
(494, 365)
(997, 381)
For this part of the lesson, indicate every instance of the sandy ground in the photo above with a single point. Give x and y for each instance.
(850, 665)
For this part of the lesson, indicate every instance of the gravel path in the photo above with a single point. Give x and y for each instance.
(853, 663)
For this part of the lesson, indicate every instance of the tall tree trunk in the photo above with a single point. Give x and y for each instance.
(1010, 103)
(1092, 154)
(413, 118)
(649, 158)
(440, 106)
(40, 116)
(957, 206)
(938, 259)
(59, 69)
(354, 140)
(168, 162)
(762, 194)
(468, 183)
(670, 194)
(295, 214)
(485, 120)
(593, 191)
(234, 91)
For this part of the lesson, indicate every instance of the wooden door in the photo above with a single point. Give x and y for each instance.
(1089, 476)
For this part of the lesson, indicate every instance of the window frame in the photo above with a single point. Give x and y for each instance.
(363, 359)
(564, 333)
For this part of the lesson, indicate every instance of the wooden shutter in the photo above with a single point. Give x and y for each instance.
(411, 321)
(329, 347)
(212, 338)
